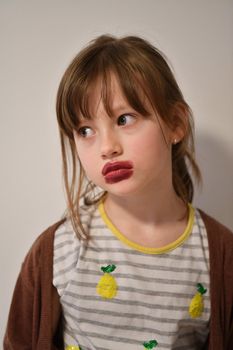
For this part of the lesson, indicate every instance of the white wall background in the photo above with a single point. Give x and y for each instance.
(38, 40)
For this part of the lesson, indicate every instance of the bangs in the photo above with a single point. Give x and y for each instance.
(130, 85)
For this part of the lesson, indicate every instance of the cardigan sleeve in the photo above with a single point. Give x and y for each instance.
(34, 320)
(19, 331)
(221, 284)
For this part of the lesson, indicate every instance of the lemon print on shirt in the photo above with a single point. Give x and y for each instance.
(73, 347)
(150, 344)
(107, 286)
(196, 306)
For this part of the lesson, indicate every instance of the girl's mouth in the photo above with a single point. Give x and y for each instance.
(117, 171)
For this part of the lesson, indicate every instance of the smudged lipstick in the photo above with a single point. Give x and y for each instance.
(117, 171)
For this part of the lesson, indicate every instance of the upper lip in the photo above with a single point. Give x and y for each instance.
(108, 167)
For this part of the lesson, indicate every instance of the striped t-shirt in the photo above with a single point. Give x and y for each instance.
(116, 294)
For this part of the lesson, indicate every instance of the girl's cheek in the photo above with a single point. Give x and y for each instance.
(88, 162)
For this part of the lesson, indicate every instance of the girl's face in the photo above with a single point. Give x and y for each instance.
(126, 154)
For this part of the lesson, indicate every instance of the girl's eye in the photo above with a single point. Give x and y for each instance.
(126, 119)
(85, 131)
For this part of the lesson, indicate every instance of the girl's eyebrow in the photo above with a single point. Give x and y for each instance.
(121, 107)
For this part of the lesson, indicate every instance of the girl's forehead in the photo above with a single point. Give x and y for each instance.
(108, 96)
(114, 97)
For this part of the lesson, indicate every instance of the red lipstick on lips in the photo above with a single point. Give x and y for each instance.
(117, 171)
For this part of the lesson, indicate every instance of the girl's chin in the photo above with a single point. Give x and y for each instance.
(122, 190)
(128, 187)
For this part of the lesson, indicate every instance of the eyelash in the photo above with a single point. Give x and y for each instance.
(83, 128)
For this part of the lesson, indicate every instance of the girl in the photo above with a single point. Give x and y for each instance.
(132, 265)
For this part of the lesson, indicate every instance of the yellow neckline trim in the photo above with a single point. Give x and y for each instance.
(148, 250)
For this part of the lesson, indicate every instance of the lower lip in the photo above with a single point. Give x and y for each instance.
(118, 175)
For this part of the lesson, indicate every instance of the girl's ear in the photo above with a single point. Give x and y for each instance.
(179, 121)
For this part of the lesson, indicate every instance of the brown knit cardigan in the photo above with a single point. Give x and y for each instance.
(35, 317)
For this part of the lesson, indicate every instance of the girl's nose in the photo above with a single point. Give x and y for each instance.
(110, 147)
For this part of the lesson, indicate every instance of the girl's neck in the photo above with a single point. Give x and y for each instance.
(147, 208)
(151, 221)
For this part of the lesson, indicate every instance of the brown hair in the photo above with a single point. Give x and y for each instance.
(137, 64)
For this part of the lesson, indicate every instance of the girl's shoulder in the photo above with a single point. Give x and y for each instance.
(46, 238)
(220, 238)
(215, 227)
(42, 248)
